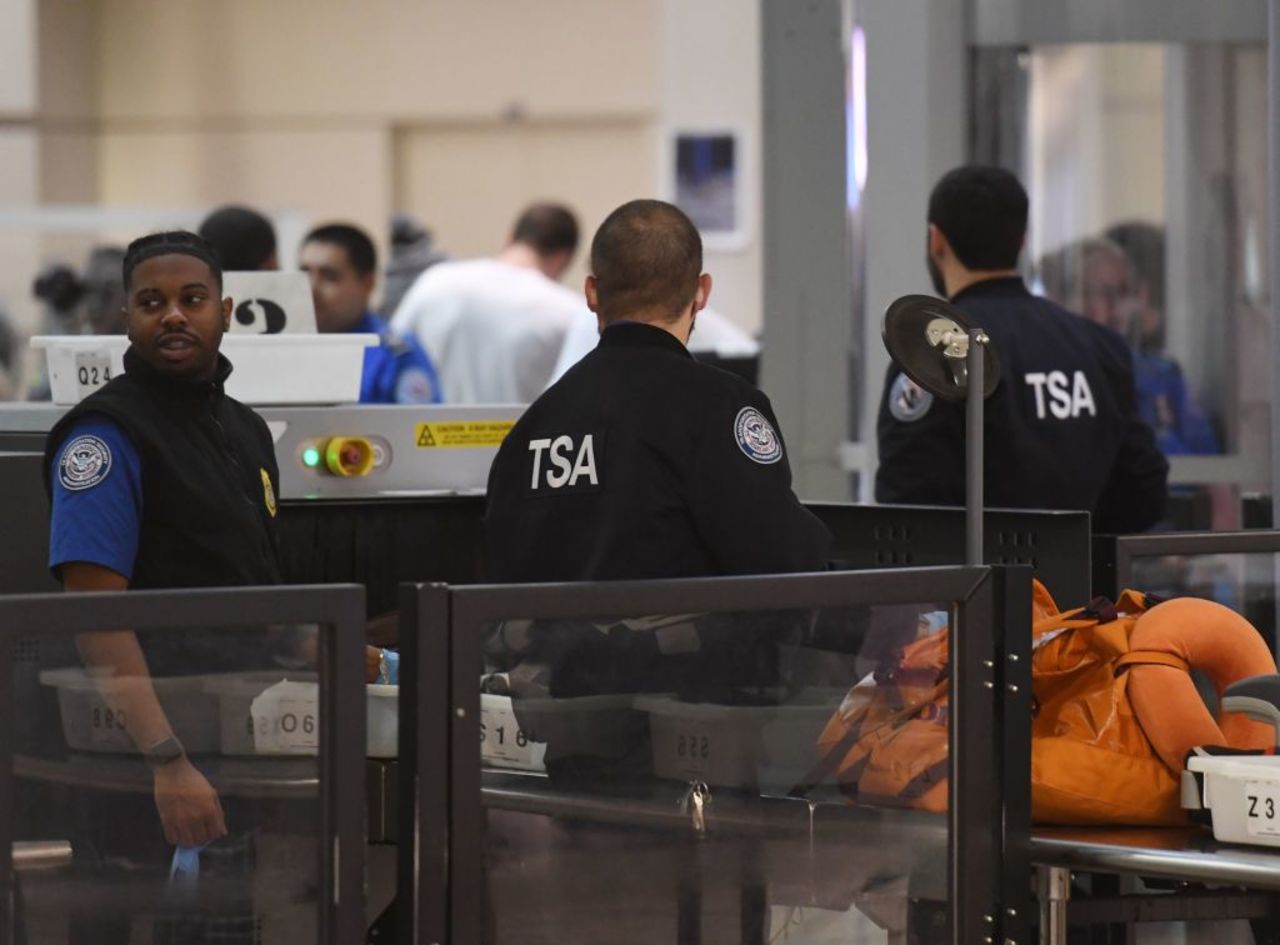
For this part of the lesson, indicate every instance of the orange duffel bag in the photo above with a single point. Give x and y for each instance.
(1115, 711)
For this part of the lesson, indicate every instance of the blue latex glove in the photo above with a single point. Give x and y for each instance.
(389, 668)
(186, 865)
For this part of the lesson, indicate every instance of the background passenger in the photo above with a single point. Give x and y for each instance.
(243, 238)
(494, 327)
(342, 264)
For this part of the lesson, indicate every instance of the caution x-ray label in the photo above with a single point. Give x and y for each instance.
(462, 433)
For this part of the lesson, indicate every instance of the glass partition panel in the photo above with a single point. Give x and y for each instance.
(714, 760)
(172, 768)
(1146, 167)
(1243, 581)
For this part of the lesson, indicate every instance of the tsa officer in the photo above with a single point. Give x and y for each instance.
(641, 462)
(1062, 427)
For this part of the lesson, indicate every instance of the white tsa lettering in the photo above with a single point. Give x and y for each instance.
(586, 463)
(1082, 397)
(536, 447)
(559, 446)
(1068, 398)
(566, 463)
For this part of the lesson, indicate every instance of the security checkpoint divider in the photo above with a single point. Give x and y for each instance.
(273, 807)
(688, 845)
(1238, 569)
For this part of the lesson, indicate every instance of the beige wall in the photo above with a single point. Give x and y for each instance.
(460, 111)
(711, 81)
(376, 59)
(17, 57)
(467, 182)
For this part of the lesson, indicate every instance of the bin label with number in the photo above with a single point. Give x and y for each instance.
(93, 370)
(503, 743)
(286, 719)
(1262, 808)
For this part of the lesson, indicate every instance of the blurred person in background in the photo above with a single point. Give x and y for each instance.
(342, 264)
(494, 327)
(59, 290)
(1180, 424)
(87, 304)
(243, 238)
(102, 305)
(1101, 280)
(413, 252)
(10, 358)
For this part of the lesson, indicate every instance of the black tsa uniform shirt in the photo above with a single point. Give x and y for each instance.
(1062, 428)
(643, 463)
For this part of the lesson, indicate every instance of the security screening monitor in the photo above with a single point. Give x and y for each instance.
(937, 346)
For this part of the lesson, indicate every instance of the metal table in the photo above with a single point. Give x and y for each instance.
(1246, 878)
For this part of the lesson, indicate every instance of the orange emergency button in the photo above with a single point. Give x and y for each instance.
(348, 456)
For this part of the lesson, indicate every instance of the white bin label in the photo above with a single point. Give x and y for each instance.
(1262, 808)
(286, 719)
(502, 743)
(93, 370)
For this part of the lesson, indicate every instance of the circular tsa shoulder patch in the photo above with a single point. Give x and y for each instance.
(908, 401)
(85, 462)
(756, 436)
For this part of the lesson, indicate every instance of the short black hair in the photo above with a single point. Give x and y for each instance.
(169, 243)
(548, 228)
(361, 252)
(646, 256)
(982, 211)
(243, 238)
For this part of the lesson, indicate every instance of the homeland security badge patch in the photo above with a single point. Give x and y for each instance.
(85, 462)
(756, 436)
(908, 401)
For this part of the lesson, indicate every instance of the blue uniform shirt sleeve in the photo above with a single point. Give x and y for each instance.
(398, 370)
(96, 480)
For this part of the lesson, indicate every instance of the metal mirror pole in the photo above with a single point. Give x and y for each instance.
(976, 381)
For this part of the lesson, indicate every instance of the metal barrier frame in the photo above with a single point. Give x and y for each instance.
(988, 823)
(339, 612)
(1113, 555)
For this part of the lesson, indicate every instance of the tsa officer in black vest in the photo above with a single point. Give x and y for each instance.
(159, 479)
(1062, 427)
(640, 462)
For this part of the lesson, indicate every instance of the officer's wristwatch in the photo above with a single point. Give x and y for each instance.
(162, 752)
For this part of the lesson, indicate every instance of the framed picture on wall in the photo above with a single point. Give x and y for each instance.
(705, 175)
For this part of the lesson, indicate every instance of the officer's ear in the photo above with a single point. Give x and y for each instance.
(938, 244)
(227, 306)
(703, 293)
(589, 289)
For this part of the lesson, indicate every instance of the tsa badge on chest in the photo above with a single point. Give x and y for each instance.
(756, 437)
(268, 493)
(85, 462)
(908, 401)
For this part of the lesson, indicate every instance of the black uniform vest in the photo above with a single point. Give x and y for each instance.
(209, 477)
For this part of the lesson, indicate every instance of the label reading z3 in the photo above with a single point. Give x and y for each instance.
(473, 433)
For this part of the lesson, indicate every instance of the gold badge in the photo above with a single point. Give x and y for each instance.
(268, 493)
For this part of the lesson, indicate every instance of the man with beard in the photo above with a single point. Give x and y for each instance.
(1062, 427)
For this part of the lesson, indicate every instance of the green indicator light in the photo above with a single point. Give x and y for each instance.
(311, 457)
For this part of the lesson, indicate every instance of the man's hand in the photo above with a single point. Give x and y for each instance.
(188, 805)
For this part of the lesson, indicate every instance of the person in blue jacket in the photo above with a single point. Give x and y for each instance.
(343, 263)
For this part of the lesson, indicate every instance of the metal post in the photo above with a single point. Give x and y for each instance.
(1273, 167)
(1053, 889)
(974, 402)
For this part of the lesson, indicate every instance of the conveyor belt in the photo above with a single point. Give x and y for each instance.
(1189, 854)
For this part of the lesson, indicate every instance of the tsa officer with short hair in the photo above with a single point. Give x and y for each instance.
(1062, 427)
(159, 480)
(640, 462)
